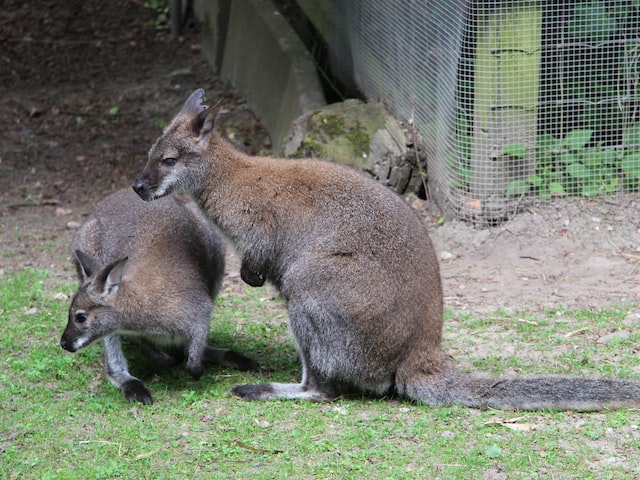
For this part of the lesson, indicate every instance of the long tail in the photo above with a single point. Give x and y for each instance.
(524, 393)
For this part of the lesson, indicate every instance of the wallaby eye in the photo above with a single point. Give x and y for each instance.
(81, 317)
(169, 161)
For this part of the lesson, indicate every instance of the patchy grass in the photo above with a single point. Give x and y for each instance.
(62, 419)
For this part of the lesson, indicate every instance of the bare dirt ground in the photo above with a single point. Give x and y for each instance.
(86, 89)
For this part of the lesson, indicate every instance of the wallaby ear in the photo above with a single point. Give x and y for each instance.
(193, 106)
(203, 124)
(85, 264)
(109, 279)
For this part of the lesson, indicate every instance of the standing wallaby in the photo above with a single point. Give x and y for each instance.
(147, 270)
(356, 268)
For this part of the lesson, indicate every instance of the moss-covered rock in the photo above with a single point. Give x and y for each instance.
(364, 137)
(340, 132)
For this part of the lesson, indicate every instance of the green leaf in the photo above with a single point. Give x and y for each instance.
(535, 180)
(545, 193)
(591, 22)
(548, 143)
(579, 171)
(593, 157)
(631, 136)
(630, 165)
(518, 187)
(609, 157)
(577, 139)
(590, 190)
(612, 185)
(515, 150)
(567, 158)
(494, 451)
(114, 110)
(556, 188)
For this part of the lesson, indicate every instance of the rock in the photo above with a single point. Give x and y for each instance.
(364, 137)
(446, 256)
(340, 132)
(72, 225)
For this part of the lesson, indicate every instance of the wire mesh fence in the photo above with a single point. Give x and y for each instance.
(511, 98)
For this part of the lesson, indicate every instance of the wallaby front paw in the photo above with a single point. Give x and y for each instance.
(262, 391)
(135, 390)
(195, 371)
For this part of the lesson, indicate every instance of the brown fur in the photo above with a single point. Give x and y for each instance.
(356, 267)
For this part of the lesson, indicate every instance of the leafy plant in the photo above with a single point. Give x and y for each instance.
(569, 166)
(161, 9)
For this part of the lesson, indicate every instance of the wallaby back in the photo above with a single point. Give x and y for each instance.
(149, 270)
(356, 267)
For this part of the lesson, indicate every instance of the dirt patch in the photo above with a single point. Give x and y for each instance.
(87, 89)
(568, 252)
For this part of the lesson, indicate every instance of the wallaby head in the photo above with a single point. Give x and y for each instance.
(93, 313)
(175, 161)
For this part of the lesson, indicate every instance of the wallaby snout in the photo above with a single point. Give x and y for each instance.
(142, 188)
(67, 344)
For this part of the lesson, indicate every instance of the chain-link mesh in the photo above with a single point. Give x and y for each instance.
(511, 98)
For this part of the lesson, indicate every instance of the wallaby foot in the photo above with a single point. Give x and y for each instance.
(135, 390)
(274, 391)
(311, 388)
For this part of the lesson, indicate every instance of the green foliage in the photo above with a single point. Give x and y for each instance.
(161, 9)
(592, 22)
(591, 80)
(571, 167)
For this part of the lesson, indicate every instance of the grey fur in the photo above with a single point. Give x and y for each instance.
(148, 271)
(356, 267)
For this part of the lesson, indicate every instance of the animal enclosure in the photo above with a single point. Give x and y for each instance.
(511, 98)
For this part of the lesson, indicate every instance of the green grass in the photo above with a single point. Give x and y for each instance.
(60, 418)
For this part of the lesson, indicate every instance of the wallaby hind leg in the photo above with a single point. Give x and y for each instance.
(212, 355)
(229, 358)
(160, 357)
(310, 388)
(117, 371)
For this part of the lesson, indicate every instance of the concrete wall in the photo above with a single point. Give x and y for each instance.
(252, 47)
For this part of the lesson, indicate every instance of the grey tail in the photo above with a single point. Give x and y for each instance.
(525, 393)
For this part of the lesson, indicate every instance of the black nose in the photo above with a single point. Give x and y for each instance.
(141, 189)
(66, 345)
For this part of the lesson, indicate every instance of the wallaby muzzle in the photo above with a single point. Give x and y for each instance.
(67, 343)
(143, 189)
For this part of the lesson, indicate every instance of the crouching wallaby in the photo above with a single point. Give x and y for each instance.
(356, 267)
(147, 270)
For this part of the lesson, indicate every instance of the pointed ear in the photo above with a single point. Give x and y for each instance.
(108, 281)
(85, 265)
(193, 106)
(203, 124)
